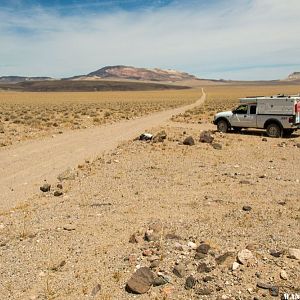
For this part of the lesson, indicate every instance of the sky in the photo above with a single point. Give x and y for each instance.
(219, 39)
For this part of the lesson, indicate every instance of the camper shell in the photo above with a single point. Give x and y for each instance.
(279, 115)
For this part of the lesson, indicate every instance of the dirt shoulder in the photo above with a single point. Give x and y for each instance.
(87, 243)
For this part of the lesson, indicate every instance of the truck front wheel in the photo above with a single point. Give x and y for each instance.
(274, 130)
(222, 126)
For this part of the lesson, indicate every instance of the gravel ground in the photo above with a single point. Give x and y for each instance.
(225, 219)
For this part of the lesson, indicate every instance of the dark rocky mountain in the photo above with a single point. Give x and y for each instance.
(128, 72)
(294, 76)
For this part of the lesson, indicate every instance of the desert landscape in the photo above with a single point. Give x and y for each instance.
(191, 214)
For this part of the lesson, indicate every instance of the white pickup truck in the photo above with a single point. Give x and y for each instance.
(279, 115)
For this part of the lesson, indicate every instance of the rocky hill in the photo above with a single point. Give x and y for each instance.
(127, 72)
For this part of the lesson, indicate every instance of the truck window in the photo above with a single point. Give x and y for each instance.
(242, 109)
(252, 109)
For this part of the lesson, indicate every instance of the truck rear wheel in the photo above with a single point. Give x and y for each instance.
(222, 126)
(274, 130)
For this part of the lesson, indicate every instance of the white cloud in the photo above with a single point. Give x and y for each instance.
(236, 39)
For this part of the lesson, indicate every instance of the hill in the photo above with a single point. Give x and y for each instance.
(16, 79)
(294, 76)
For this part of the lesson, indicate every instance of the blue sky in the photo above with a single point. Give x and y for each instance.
(230, 39)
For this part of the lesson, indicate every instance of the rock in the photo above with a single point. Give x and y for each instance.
(179, 270)
(141, 281)
(192, 245)
(154, 264)
(156, 227)
(245, 182)
(160, 137)
(68, 174)
(204, 291)
(294, 253)
(145, 137)
(206, 137)
(190, 283)
(45, 187)
(222, 258)
(203, 248)
(247, 208)
(199, 255)
(189, 141)
(208, 278)
(274, 291)
(203, 268)
(275, 253)
(178, 246)
(133, 239)
(172, 236)
(147, 252)
(283, 275)
(244, 256)
(58, 193)
(59, 186)
(264, 139)
(217, 146)
(150, 236)
(159, 281)
(96, 290)
(235, 266)
(263, 285)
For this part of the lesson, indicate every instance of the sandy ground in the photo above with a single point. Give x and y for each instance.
(76, 246)
(25, 166)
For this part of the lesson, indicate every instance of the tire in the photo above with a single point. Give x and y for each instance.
(274, 130)
(222, 126)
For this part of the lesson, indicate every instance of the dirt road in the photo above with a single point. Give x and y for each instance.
(24, 167)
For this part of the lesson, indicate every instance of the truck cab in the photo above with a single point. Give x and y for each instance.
(279, 115)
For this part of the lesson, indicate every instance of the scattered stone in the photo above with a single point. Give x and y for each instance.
(189, 141)
(147, 252)
(159, 281)
(160, 137)
(203, 248)
(275, 253)
(154, 264)
(283, 275)
(208, 278)
(204, 291)
(206, 137)
(264, 139)
(245, 182)
(274, 291)
(58, 193)
(199, 255)
(96, 290)
(192, 245)
(59, 186)
(190, 283)
(262, 285)
(150, 236)
(145, 137)
(45, 187)
(235, 266)
(298, 145)
(247, 208)
(172, 236)
(69, 228)
(294, 253)
(141, 281)
(222, 258)
(165, 277)
(244, 256)
(133, 239)
(156, 227)
(68, 174)
(179, 270)
(217, 146)
(203, 268)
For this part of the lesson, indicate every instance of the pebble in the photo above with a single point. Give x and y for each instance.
(159, 281)
(283, 275)
(45, 187)
(179, 270)
(247, 208)
(294, 253)
(141, 281)
(203, 248)
(96, 290)
(58, 193)
(244, 256)
(204, 291)
(189, 141)
(275, 253)
(235, 266)
(263, 285)
(203, 268)
(206, 137)
(190, 283)
(192, 245)
(274, 291)
(217, 146)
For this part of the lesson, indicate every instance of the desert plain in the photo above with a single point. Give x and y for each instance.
(177, 217)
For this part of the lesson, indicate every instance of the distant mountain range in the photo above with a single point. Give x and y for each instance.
(121, 73)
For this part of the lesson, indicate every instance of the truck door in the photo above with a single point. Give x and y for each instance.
(244, 116)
